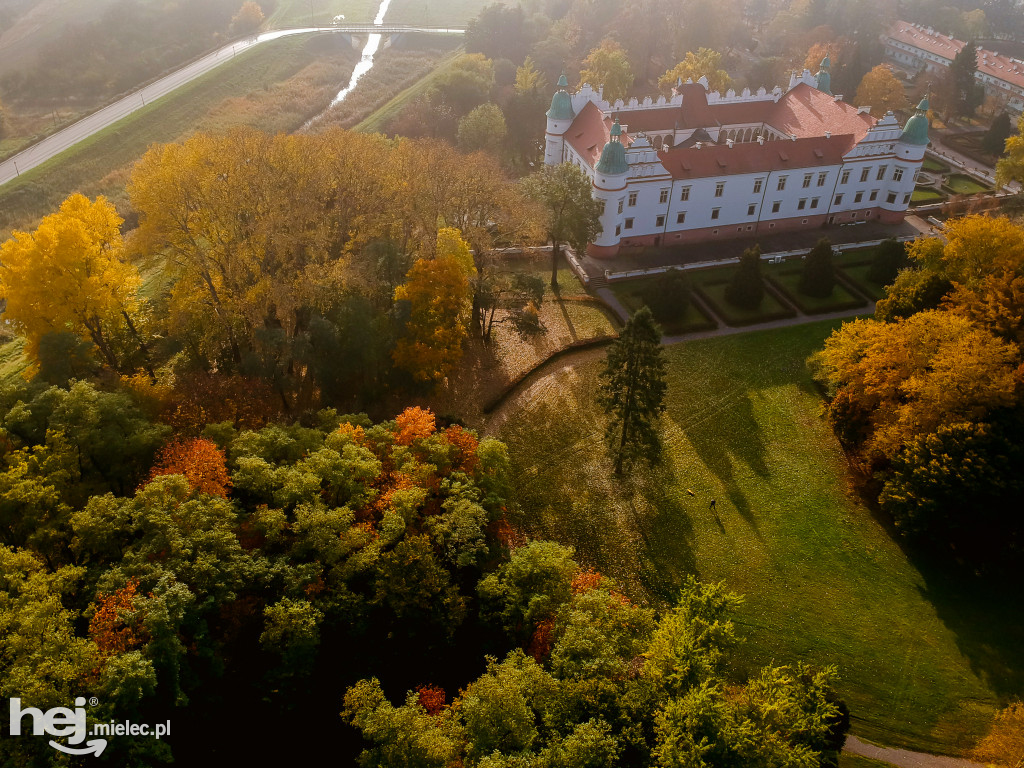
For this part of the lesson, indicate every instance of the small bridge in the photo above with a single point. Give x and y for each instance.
(370, 28)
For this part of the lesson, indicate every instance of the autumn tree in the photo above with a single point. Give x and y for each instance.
(72, 274)
(201, 462)
(704, 63)
(248, 19)
(1011, 166)
(607, 67)
(529, 79)
(572, 213)
(438, 294)
(880, 90)
(632, 391)
(1004, 743)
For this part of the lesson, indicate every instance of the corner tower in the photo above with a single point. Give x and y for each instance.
(610, 175)
(914, 139)
(560, 117)
(824, 76)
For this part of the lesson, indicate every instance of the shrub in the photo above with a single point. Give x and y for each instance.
(818, 278)
(668, 295)
(746, 289)
(890, 258)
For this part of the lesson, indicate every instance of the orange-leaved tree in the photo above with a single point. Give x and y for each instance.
(201, 462)
(115, 627)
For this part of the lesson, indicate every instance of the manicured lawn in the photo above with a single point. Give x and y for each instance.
(926, 195)
(840, 298)
(962, 184)
(930, 164)
(922, 654)
(770, 309)
(630, 293)
(858, 273)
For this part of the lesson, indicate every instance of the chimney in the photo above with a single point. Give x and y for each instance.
(729, 143)
(760, 139)
(828, 134)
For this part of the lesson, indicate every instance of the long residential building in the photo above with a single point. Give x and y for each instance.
(918, 48)
(701, 166)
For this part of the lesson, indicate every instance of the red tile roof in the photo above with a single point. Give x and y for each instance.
(989, 62)
(717, 160)
(807, 112)
(589, 133)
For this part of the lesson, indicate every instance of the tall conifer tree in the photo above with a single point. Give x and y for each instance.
(633, 391)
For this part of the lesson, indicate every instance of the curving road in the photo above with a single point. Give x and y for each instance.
(97, 121)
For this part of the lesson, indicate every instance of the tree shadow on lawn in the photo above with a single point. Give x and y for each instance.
(986, 613)
(722, 434)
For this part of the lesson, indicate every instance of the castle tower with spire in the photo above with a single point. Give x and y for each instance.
(824, 76)
(560, 117)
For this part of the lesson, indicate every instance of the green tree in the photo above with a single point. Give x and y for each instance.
(607, 67)
(529, 79)
(994, 141)
(482, 128)
(746, 288)
(913, 290)
(818, 276)
(969, 93)
(632, 391)
(573, 215)
(529, 588)
(668, 295)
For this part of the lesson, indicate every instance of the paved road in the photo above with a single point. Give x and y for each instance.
(904, 758)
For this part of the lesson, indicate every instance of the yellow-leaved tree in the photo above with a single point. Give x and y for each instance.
(438, 292)
(704, 63)
(880, 90)
(71, 275)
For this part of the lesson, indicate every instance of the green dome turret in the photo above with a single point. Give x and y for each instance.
(825, 76)
(916, 130)
(561, 102)
(613, 156)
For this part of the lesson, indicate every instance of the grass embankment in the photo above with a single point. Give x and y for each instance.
(922, 657)
(274, 87)
(13, 362)
(379, 119)
(320, 13)
(454, 13)
(393, 72)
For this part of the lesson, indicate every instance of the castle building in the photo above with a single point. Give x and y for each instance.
(918, 48)
(702, 166)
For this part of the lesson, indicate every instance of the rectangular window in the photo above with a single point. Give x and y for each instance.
(715, 212)
(890, 198)
(897, 174)
(620, 205)
(629, 223)
(600, 207)
(881, 172)
(663, 197)
(858, 197)
(684, 195)
(906, 198)
(864, 174)
(873, 195)
(757, 185)
(821, 179)
(632, 199)
(776, 205)
(618, 230)
(660, 221)
(681, 217)
(719, 188)
(807, 180)
(845, 177)
(782, 183)
(802, 204)
(839, 200)
(751, 208)
(814, 202)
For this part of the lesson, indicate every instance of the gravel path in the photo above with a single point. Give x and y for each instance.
(904, 758)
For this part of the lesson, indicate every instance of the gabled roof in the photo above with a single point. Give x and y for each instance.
(990, 63)
(806, 112)
(717, 160)
(589, 133)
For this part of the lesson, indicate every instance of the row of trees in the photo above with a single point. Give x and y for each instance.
(927, 394)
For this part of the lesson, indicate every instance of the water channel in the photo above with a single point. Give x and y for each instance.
(366, 60)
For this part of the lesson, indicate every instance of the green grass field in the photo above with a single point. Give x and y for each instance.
(630, 293)
(856, 761)
(930, 164)
(378, 119)
(13, 362)
(449, 13)
(962, 184)
(926, 195)
(297, 13)
(858, 273)
(99, 164)
(770, 308)
(923, 657)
